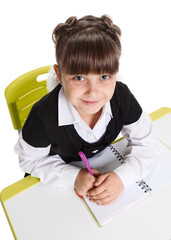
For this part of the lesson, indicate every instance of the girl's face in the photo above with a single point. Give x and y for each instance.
(88, 93)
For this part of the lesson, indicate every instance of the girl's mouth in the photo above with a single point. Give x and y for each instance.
(90, 102)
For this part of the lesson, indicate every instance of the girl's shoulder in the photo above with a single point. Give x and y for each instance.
(121, 93)
(49, 102)
(124, 103)
(43, 115)
(121, 87)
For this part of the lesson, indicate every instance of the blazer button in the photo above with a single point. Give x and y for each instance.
(95, 151)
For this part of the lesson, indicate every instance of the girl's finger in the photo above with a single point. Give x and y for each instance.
(97, 190)
(100, 179)
(104, 201)
(98, 196)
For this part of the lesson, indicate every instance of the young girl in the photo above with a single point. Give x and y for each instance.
(85, 112)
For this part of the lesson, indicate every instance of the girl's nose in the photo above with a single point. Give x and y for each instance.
(92, 87)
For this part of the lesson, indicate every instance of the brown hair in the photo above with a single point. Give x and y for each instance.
(87, 45)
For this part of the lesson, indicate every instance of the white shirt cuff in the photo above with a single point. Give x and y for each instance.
(126, 174)
(69, 175)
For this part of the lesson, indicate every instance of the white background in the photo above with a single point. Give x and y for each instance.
(25, 44)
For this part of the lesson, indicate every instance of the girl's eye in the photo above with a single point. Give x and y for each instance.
(105, 77)
(79, 78)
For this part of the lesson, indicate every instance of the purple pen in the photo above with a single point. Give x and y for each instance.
(85, 160)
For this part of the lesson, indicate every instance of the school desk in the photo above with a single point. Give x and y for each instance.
(37, 212)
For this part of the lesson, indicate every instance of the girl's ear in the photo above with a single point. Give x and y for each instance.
(56, 68)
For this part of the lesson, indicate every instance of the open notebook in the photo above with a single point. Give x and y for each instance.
(159, 177)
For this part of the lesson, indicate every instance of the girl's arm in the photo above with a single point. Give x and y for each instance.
(141, 151)
(51, 170)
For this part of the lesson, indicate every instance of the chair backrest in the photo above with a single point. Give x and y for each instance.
(23, 92)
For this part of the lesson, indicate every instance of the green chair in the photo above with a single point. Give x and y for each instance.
(23, 92)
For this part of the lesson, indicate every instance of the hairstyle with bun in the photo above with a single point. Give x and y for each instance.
(87, 45)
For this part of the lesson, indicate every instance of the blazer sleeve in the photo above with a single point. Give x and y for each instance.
(34, 131)
(134, 109)
(130, 109)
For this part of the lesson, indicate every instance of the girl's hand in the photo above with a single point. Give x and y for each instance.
(107, 188)
(85, 181)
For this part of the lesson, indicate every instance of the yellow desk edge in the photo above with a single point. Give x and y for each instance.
(13, 190)
(29, 181)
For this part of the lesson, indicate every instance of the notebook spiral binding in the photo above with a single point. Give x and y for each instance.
(117, 154)
(144, 186)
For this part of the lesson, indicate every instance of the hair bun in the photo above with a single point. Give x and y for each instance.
(62, 28)
(71, 20)
(109, 23)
